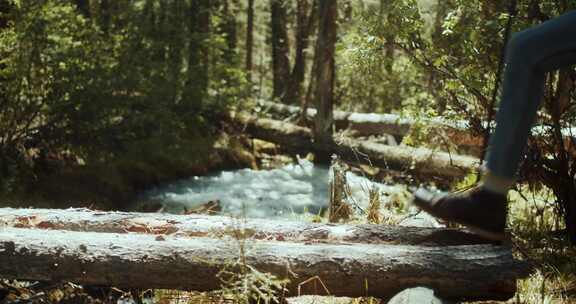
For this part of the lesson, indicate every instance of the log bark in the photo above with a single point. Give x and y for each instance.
(196, 225)
(416, 161)
(145, 261)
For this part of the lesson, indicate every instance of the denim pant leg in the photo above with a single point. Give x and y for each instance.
(531, 53)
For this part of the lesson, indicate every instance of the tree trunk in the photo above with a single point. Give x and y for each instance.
(228, 28)
(416, 161)
(197, 225)
(325, 73)
(198, 59)
(305, 24)
(280, 47)
(249, 39)
(309, 99)
(147, 261)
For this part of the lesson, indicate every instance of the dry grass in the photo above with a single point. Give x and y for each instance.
(339, 209)
(374, 216)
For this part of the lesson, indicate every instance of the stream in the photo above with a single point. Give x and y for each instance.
(297, 190)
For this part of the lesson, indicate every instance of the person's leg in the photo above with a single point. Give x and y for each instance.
(531, 54)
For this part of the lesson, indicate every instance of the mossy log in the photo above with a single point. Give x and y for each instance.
(150, 261)
(416, 161)
(197, 225)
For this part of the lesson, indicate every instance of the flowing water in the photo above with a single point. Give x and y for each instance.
(294, 190)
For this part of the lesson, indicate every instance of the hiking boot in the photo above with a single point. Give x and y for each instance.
(480, 210)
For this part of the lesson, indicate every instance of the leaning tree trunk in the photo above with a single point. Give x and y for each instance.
(325, 74)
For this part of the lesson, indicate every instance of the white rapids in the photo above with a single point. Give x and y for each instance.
(294, 190)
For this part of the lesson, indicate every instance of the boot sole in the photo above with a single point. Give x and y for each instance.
(423, 201)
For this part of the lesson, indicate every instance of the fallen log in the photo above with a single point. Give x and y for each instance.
(473, 272)
(366, 124)
(458, 131)
(417, 161)
(196, 225)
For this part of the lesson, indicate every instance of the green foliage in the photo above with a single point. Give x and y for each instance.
(49, 56)
(82, 89)
(372, 77)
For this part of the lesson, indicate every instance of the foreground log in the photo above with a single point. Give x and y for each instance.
(196, 225)
(417, 161)
(147, 261)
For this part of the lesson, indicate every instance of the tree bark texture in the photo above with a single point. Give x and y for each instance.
(280, 47)
(416, 161)
(147, 261)
(197, 225)
(325, 71)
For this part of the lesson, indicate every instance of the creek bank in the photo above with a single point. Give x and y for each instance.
(115, 184)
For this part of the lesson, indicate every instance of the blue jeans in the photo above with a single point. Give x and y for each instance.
(531, 53)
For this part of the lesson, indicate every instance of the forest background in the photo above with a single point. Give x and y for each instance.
(102, 99)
